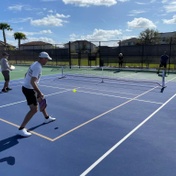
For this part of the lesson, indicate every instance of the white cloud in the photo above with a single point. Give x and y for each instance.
(164, 1)
(123, 0)
(141, 23)
(171, 7)
(136, 12)
(88, 3)
(145, 3)
(30, 36)
(19, 7)
(10, 33)
(98, 35)
(170, 21)
(50, 20)
(152, 1)
(19, 20)
(44, 39)
(140, 3)
(16, 7)
(48, 0)
(38, 33)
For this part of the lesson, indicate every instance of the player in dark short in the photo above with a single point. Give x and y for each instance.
(120, 59)
(32, 92)
(163, 62)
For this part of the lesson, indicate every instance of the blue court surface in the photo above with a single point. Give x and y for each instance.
(106, 128)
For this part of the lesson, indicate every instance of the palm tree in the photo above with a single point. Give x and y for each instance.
(3, 27)
(19, 36)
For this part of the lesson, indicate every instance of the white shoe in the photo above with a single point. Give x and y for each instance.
(50, 119)
(24, 133)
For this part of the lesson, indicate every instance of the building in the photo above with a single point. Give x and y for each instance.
(129, 42)
(36, 45)
(8, 46)
(163, 38)
(82, 46)
(166, 37)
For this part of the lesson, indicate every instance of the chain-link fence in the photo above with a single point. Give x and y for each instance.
(98, 53)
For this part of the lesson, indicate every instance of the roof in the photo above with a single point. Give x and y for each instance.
(7, 44)
(35, 43)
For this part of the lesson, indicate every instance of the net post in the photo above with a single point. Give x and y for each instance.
(163, 78)
(102, 81)
(62, 71)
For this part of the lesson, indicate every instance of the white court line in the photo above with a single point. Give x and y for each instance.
(123, 139)
(37, 134)
(18, 102)
(116, 96)
(88, 88)
(101, 94)
(11, 104)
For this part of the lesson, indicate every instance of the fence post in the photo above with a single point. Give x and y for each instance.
(69, 50)
(170, 48)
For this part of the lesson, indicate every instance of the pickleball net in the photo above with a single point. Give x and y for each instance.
(113, 75)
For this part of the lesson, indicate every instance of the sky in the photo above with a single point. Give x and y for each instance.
(61, 21)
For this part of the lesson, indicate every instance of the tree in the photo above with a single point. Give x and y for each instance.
(149, 36)
(3, 27)
(19, 36)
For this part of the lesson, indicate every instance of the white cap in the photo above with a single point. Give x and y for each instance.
(45, 55)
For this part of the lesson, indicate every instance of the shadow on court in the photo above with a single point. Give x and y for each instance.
(10, 160)
(40, 125)
(7, 143)
(37, 126)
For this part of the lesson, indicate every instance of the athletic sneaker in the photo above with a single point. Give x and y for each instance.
(8, 88)
(24, 133)
(50, 119)
(4, 90)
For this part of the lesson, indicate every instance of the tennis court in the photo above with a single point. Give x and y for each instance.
(117, 123)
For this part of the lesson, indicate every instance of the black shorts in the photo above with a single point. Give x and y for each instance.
(6, 75)
(163, 65)
(30, 95)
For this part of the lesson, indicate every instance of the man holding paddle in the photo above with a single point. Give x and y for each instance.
(33, 94)
(163, 62)
(5, 69)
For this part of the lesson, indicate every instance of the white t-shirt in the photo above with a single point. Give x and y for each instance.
(35, 70)
(4, 64)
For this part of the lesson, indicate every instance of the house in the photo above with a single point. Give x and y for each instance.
(8, 46)
(163, 38)
(36, 45)
(82, 46)
(129, 42)
(166, 37)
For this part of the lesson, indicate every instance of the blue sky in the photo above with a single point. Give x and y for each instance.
(60, 21)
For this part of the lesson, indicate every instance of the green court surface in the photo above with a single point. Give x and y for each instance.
(20, 71)
(101, 73)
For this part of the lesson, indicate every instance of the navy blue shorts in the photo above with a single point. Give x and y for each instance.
(30, 95)
(163, 65)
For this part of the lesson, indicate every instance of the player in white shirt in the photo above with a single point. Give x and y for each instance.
(32, 92)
